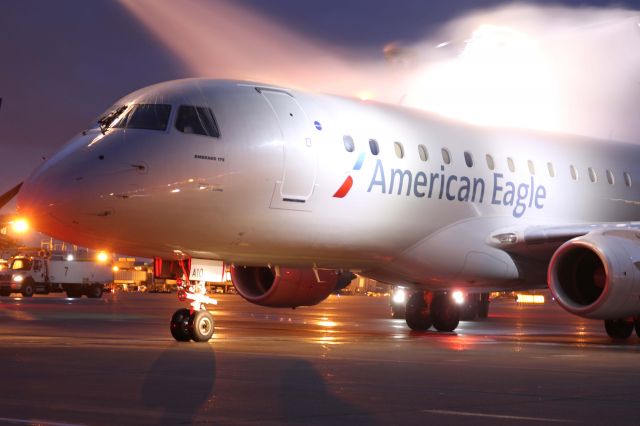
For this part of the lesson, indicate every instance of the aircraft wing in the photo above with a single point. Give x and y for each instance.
(7, 196)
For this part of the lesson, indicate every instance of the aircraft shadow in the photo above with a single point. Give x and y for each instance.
(306, 399)
(179, 382)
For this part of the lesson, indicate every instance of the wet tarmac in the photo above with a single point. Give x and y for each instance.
(113, 361)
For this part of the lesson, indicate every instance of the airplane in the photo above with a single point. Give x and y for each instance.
(297, 191)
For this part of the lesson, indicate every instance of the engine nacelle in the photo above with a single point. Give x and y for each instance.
(281, 287)
(598, 275)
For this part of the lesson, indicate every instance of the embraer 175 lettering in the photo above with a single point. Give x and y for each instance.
(296, 192)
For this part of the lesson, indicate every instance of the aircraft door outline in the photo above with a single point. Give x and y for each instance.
(300, 157)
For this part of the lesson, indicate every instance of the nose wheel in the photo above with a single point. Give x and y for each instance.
(180, 325)
(196, 323)
(201, 326)
(196, 326)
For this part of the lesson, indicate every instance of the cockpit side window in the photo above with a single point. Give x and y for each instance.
(145, 116)
(197, 120)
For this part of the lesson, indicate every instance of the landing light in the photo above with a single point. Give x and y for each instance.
(399, 296)
(69, 257)
(458, 297)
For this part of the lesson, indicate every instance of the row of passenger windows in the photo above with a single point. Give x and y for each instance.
(189, 119)
(349, 145)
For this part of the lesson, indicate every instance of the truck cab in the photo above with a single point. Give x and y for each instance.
(26, 275)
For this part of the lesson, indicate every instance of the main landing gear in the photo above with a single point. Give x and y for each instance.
(425, 309)
(195, 323)
(621, 329)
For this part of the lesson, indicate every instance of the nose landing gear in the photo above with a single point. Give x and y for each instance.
(196, 323)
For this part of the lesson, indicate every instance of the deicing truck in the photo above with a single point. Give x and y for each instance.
(30, 275)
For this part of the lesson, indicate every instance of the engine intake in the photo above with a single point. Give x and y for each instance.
(598, 275)
(285, 287)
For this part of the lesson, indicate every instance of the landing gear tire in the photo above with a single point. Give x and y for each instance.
(201, 326)
(27, 290)
(94, 291)
(444, 313)
(483, 306)
(619, 329)
(180, 325)
(5, 293)
(417, 312)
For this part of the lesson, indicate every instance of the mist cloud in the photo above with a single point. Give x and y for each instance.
(573, 70)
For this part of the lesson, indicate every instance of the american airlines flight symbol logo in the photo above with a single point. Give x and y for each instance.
(348, 182)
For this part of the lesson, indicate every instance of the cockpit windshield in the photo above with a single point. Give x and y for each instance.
(197, 120)
(136, 116)
(21, 265)
(145, 116)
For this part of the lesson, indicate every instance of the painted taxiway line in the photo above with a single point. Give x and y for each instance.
(498, 416)
(38, 422)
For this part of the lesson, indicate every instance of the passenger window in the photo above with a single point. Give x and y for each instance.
(592, 175)
(197, 120)
(373, 146)
(36, 265)
(627, 179)
(446, 156)
(532, 168)
(145, 116)
(468, 159)
(399, 149)
(422, 150)
(552, 172)
(574, 172)
(348, 143)
(490, 163)
(511, 165)
(610, 178)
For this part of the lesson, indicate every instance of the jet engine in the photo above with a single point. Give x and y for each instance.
(598, 275)
(281, 287)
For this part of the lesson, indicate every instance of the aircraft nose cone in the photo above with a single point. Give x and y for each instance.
(45, 198)
(52, 197)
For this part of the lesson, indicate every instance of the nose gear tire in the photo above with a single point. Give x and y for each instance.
(180, 325)
(201, 326)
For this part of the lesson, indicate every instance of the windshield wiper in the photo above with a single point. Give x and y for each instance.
(105, 121)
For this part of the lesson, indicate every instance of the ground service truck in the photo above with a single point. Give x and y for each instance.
(29, 275)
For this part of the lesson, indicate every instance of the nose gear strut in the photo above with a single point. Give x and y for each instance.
(195, 323)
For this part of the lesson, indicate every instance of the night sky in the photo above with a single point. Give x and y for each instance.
(64, 62)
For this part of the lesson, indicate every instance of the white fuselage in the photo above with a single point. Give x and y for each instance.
(279, 187)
